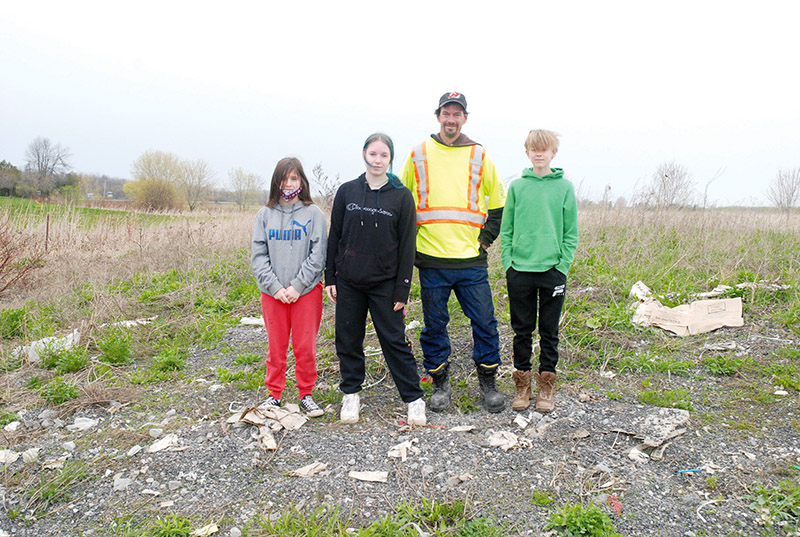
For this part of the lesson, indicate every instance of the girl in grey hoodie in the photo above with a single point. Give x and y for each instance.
(288, 257)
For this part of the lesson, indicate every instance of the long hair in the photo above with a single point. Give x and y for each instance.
(282, 169)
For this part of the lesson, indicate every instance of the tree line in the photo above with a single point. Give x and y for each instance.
(164, 181)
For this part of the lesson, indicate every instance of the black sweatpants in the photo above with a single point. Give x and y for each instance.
(530, 293)
(352, 305)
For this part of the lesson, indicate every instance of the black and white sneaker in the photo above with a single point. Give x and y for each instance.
(311, 408)
(271, 402)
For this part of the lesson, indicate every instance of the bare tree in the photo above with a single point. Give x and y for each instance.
(156, 175)
(157, 165)
(245, 186)
(784, 190)
(195, 181)
(325, 186)
(44, 161)
(670, 186)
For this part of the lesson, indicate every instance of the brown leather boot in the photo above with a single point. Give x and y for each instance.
(522, 380)
(545, 398)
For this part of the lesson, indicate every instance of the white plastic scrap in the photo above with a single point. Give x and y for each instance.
(310, 469)
(376, 477)
(205, 531)
(52, 343)
(252, 321)
(82, 424)
(638, 455)
(401, 450)
(30, 456)
(506, 440)
(169, 442)
(7, 456)
(12, 426)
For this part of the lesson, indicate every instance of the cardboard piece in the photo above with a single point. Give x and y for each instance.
(691, 319)
(375, 477)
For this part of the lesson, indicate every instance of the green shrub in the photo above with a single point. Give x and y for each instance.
(59, 391)
(65, 360)
(12, 323)
(115, 346)
(580, 520)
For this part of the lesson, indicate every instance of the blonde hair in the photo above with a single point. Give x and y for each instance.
(541, 140)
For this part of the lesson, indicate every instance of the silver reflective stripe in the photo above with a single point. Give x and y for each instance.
(462, 216)
(475, 168)
(422, 185)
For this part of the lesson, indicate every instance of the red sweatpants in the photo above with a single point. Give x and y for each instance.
(301, 320)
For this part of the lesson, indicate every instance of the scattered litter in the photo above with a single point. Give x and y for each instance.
(506, 440)
(376, 477)
(82, 424)
(371, 351)
(710, 467)
(753, 457)
(413, 325)
(763, 284)
(133, 323)
(687, 319)
(55, 464)
(458, 479)
(266, 439)
(462, 428)
(308, 470)
(781, 392)
(585, 397)
(579, 434)
(717, 291)
(215, 388)
(151, 492)
(401, 450)
(689, 471)
(205, 531)
(30, 456)
(268, 420)
(134, 450)
(122, 484)
(167, 504)
(522, 421)
(724, 346)
(169, 443)
(638, 455)
(608, 374)
(7, 456)
(12, 426)
(52, 343)
(252, 321)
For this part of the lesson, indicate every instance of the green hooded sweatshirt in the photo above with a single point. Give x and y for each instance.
(540, 223)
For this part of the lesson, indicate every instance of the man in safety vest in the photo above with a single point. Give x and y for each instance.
(459, 200)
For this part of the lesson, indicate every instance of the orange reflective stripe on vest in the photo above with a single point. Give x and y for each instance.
(470, 214)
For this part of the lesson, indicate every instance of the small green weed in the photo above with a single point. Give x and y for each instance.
(650, 362)
(541, 498)
(12, 323)
(667, 399)
(615, 396)
(778, 506)
(711, 482)
(59, 391)
(171, 526)
(56, 488)
(784, 374)
(169, 359)
(34, 383)
(65, 360)
(247, 359)
(580, 520)
(115, 346)
(7, 417)
(727, 365)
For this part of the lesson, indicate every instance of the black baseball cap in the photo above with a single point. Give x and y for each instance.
(453, 97)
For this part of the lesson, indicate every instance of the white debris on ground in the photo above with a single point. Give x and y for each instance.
(694, 318)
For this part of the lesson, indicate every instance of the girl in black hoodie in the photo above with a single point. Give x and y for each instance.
(369, 267)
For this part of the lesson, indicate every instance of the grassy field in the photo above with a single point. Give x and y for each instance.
(192, 275)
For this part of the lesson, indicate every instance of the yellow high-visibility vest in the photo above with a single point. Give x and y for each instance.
(450, 187)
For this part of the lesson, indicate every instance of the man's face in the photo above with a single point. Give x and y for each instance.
(451, 118)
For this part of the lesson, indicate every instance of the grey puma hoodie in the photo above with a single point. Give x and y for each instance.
(288, 247)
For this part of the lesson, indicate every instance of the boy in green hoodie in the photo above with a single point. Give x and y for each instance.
(539, 235)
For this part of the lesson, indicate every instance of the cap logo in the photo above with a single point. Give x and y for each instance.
(454, 95)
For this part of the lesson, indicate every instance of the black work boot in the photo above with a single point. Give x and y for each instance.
(440, 398)
(493, 400)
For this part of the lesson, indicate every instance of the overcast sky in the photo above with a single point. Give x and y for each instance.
(629, 85)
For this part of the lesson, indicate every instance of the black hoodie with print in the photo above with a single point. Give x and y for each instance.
(372, 236)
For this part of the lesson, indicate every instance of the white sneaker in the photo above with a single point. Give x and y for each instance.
(416, 412)
(351, 405)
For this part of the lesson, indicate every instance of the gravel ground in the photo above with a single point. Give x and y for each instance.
(581, 452)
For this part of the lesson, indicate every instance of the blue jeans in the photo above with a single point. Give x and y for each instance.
(471, 286)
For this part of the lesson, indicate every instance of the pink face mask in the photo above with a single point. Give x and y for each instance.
(289, 195)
